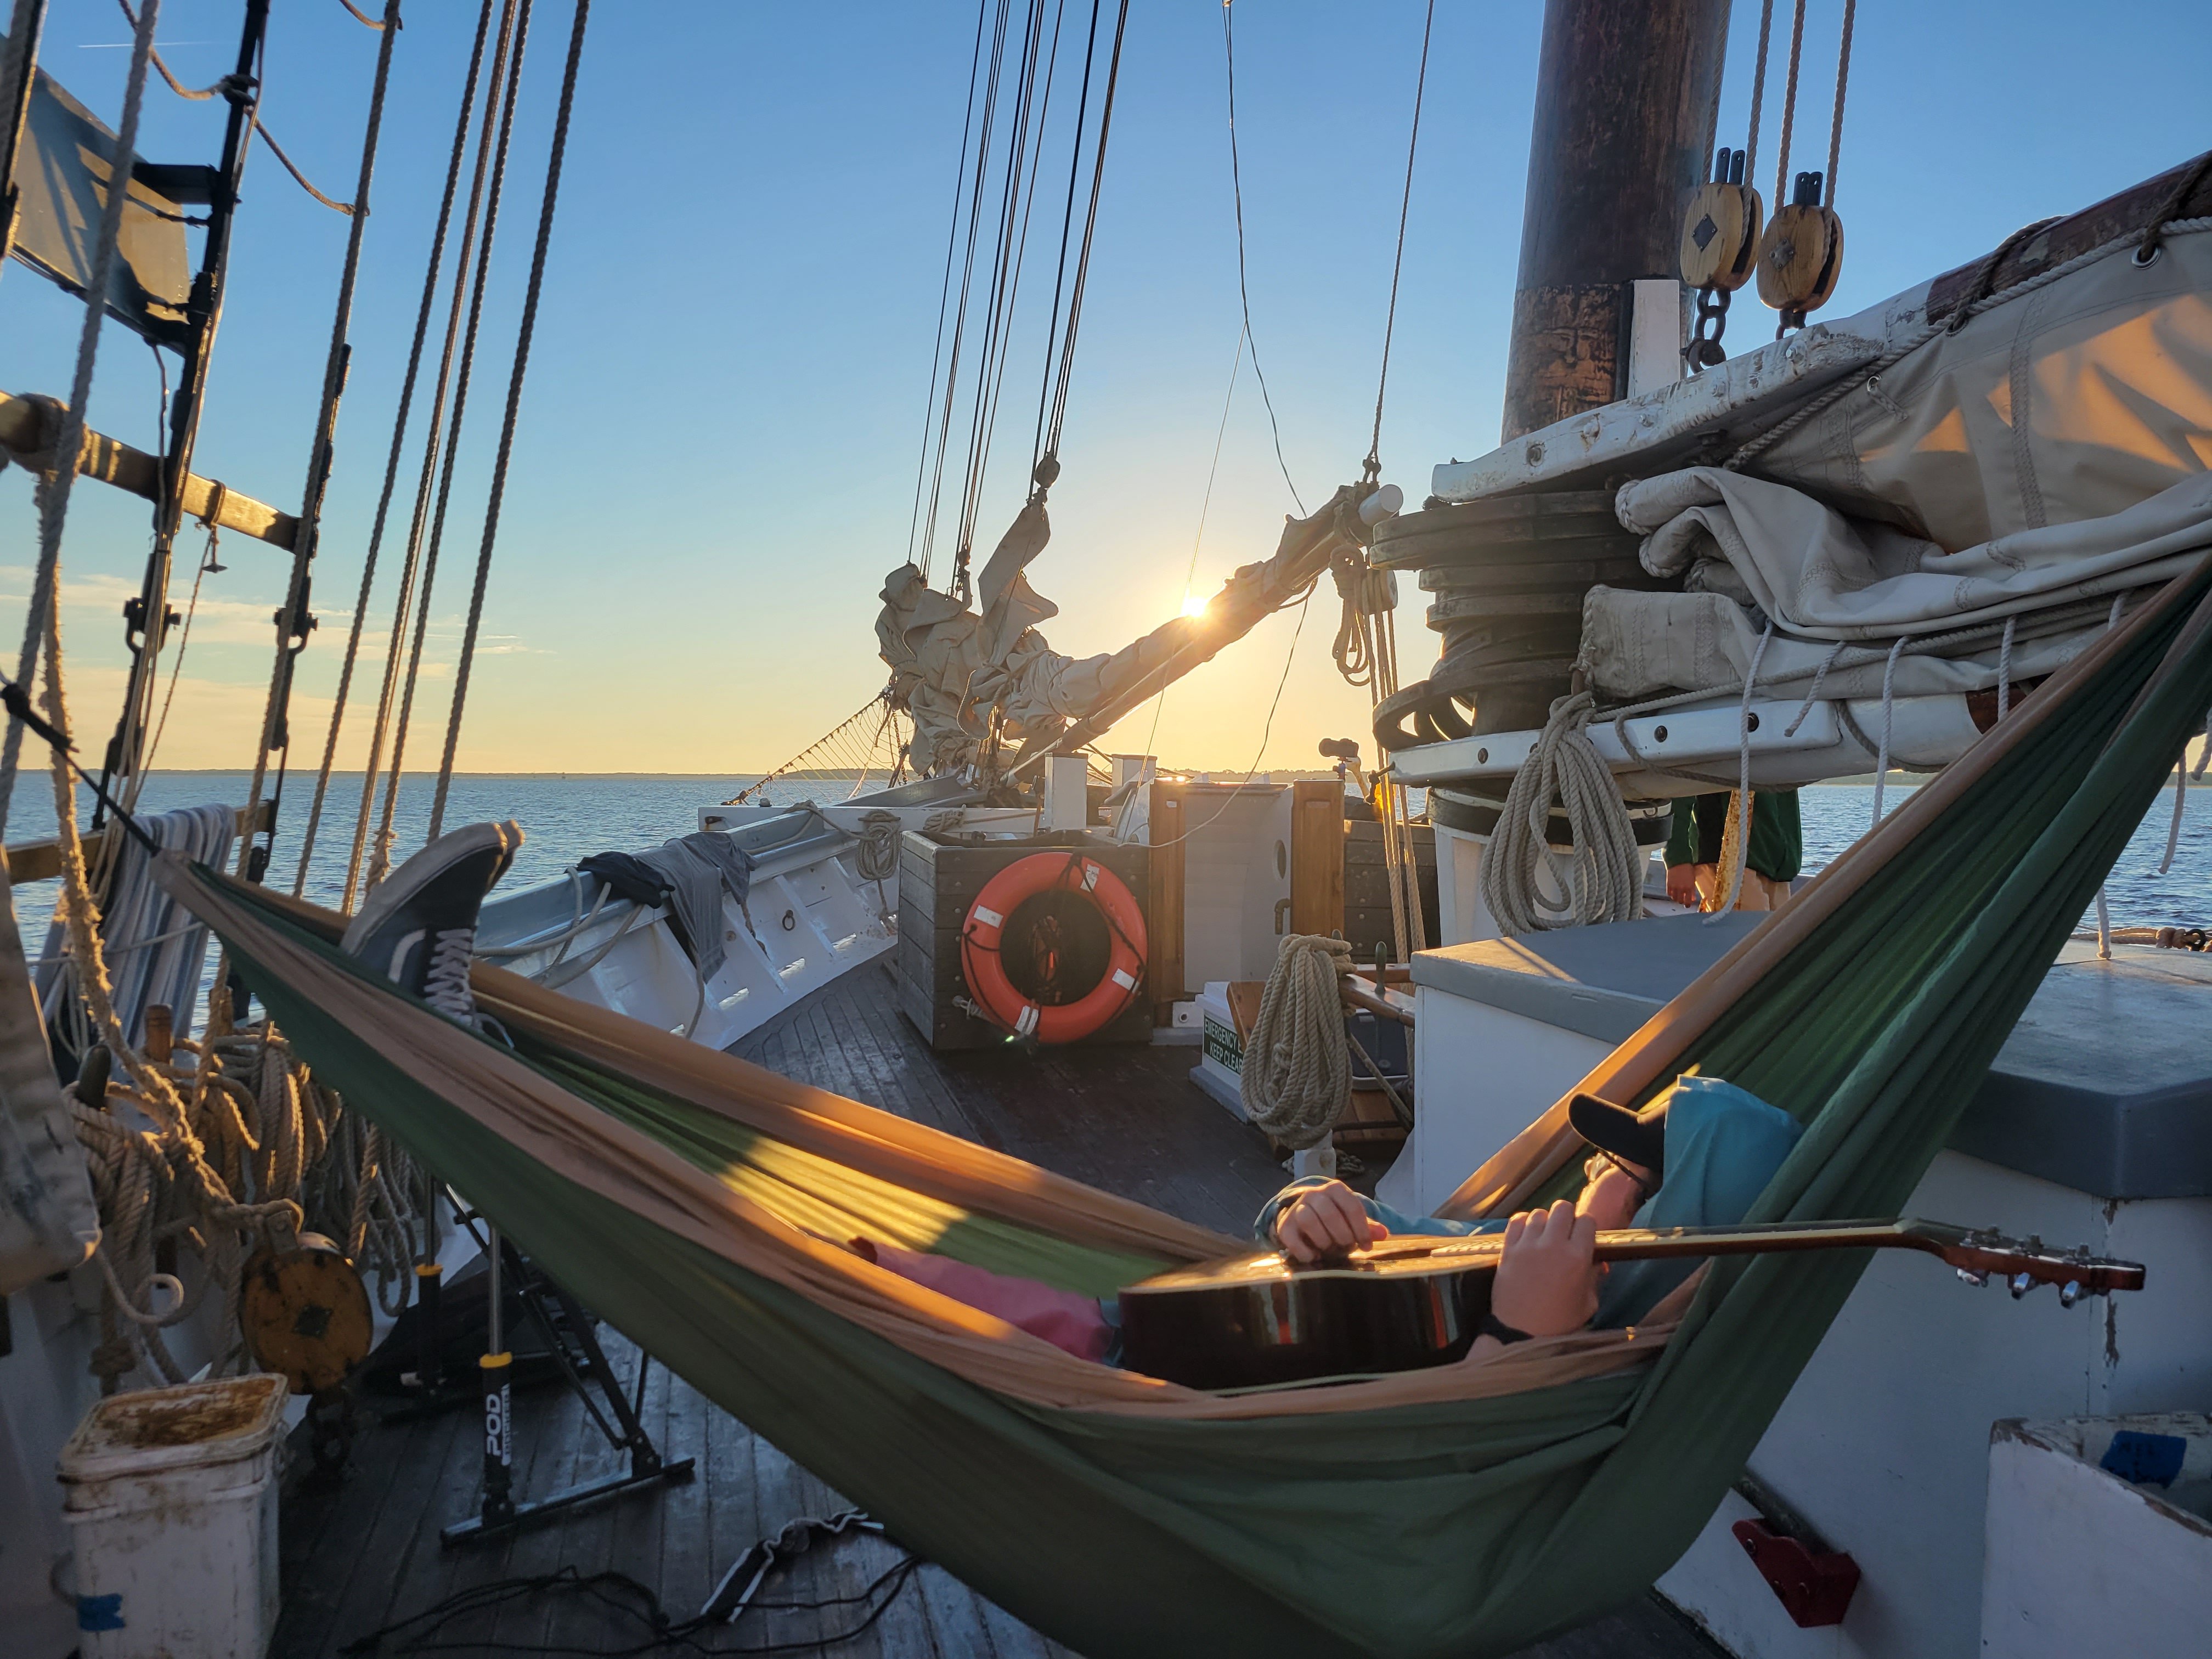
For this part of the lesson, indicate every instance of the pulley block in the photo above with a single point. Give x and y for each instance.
(1801, 257)
(1720, 232)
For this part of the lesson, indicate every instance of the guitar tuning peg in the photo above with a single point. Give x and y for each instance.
(1977, 1277)
(2035, 1244)
(2069, 1292)
(2020, 1284)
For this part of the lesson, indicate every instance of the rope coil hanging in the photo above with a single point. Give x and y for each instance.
(1600, 877)
(1297, 1072)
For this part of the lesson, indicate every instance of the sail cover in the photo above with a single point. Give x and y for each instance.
(2051, 452)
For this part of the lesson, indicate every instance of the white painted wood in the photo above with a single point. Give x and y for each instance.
(1460, 911)
(1485, 1075)
(1657, 330)
(2078, 1561)
(1066, 791)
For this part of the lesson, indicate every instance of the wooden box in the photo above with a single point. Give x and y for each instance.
(939, 880)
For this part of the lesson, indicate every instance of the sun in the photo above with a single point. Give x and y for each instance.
(1193, 604)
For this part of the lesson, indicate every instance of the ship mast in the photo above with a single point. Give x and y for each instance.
(1626, 101)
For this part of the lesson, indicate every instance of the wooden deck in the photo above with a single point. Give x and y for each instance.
(362, 1551)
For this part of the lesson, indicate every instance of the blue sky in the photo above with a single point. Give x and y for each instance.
(716, 464)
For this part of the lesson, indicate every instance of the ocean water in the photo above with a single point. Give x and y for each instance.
(565, 817)
(1836, 815)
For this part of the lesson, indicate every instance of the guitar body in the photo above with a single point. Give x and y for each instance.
(1256, 1321)
(1405, 1303)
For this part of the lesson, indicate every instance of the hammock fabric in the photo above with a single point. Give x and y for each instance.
(690, 1198)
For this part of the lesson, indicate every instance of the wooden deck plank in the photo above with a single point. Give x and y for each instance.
(347, 1509)
(688, 1570)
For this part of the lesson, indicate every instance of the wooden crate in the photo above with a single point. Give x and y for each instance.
(939, 880)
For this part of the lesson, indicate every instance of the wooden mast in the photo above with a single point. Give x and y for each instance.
(1623, 135)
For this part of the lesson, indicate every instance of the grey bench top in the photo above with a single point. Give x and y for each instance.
(2104, 1086)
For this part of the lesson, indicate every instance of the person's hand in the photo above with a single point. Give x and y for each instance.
(1682, 884)
(1546, 1282)
(1325, 1220)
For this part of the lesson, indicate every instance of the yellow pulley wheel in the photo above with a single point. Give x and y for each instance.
(1720, 233)
(304, 1314)
(1800, 255)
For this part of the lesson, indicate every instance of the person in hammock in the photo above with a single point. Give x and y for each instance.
(1698, 1156)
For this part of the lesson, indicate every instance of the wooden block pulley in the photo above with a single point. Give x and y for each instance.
(1720, 232)
(304, 1314)
(1801, 257)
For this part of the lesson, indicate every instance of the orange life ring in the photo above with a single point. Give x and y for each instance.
(1023, 880)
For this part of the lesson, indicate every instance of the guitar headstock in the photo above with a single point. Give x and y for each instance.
(1979, 1254)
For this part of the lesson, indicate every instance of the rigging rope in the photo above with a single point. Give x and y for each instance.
(372, 764)
(1843, 79)
(983, 154)
(837, 750)
(1243, 290)
(1047, 447)
(513, 405)
(60, 475)
(493, 162)
(998, 311)
(234, 89)
(944, 291)
(291, 619)
(1789, 111)
(1758, 93)
(1204, 506)
(1373, 468)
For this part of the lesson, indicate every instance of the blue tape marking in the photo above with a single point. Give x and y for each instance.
(99, 1612)
(2148, 1460)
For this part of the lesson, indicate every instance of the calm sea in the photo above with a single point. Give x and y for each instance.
(568, 817)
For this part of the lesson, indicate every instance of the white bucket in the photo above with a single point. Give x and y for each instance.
(171, 1499)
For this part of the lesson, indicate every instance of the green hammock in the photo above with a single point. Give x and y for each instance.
(1467, 1528)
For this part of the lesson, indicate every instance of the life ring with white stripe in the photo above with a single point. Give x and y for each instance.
(980, 937)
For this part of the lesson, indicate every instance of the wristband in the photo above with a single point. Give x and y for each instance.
(1490, 1325)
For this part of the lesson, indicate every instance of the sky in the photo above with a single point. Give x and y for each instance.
(715, 467)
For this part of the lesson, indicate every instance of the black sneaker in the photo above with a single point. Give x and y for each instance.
(419, 926)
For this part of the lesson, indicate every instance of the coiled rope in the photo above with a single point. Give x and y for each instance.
(1297, 1074)
(1599, 878)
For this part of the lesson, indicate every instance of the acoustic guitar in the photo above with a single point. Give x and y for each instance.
(1406, 1302)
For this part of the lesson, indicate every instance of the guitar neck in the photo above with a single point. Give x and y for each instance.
(1642, 1244)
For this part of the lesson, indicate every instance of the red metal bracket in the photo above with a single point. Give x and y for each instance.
(1814, 1589)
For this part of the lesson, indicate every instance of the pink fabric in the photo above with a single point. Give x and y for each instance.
(1061, 1317)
